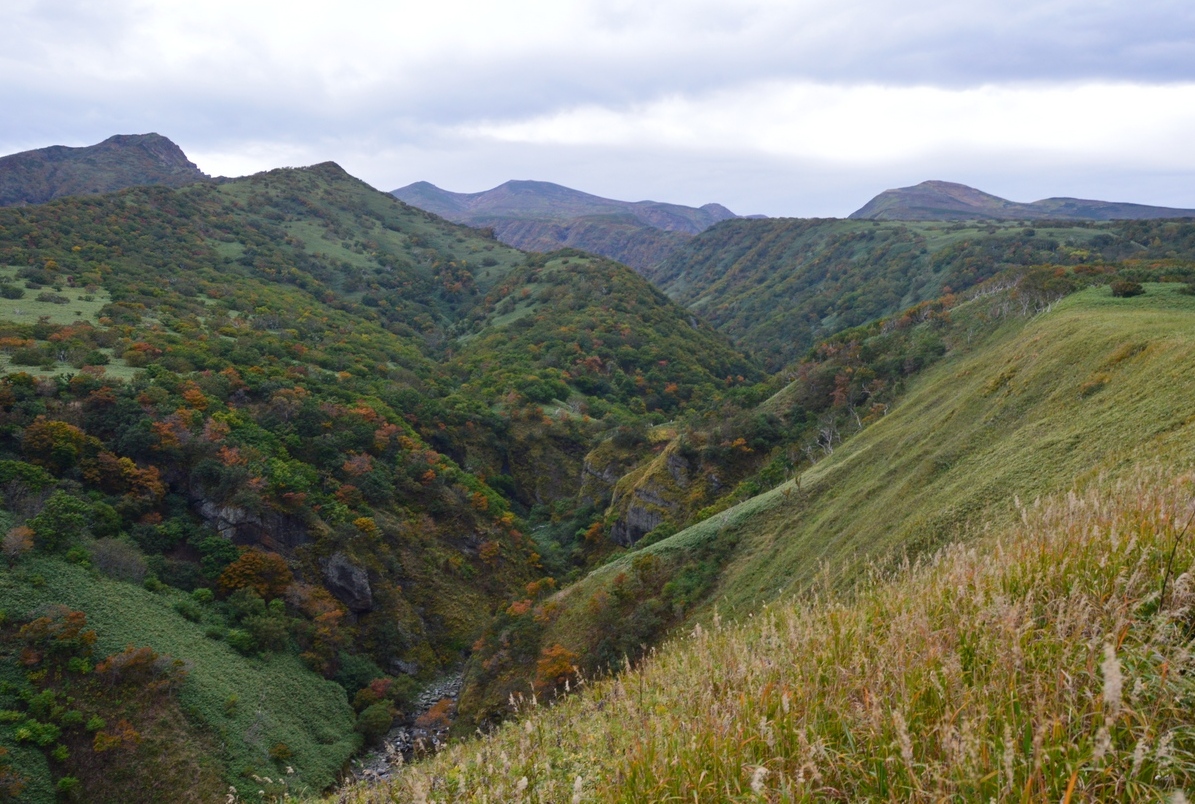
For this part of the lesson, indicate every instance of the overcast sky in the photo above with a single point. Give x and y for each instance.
(785, 107)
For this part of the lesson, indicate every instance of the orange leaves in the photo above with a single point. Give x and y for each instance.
(367, 526)
(357, 465)
(543, 586)
(122, 735)
(479, 501)
(519, 608)
(194, 397)
(438, 717)
(383, 435)
(117, 475)
(54, 444)
(231, 456)
(265, 573)
(556, 664)
(172, 432)
(488, 551)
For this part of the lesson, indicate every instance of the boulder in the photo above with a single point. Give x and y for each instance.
(347, 581)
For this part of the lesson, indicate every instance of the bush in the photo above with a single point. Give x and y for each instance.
(52, 298)
(1126, 288)
(118, 559)
(241, 641)
(356, 672)
(12, 292)
(374, 721)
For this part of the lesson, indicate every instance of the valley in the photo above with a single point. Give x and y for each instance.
(287, 462)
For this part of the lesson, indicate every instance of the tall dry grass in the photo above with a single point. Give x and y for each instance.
(1037, 664)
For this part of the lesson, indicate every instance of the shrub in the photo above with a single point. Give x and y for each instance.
(118, 559)
(1126, 288)
(241, 641)
(52, 298)
(11, 292)
(374, 721)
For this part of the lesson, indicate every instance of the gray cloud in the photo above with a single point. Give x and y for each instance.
(371, 78)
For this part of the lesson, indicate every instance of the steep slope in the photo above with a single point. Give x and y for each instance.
(125, 160)
(1039, 664)
(777, 286)
(847, 691)
(541, 216)
(1092, 387)
(947, 201)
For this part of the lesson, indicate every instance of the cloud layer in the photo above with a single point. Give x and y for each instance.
(767, 105)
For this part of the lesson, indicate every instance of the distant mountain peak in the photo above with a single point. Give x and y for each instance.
(123, 160)
(541, 215)
(937, 200)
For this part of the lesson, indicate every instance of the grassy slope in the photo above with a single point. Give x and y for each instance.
(978, 679)
(1003, 418)
(1008, 419)
(1035, 666)
(279, 699)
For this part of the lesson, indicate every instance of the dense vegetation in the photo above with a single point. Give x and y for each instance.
(540, 216)
(1015, 666)
(312, 421)
(777, 286)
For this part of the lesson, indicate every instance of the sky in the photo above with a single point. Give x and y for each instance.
(779, 107)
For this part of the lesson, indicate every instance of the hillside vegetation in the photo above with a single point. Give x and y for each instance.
(1018, 406)
(300, 430)
(777, 286)
(1033, 661)
(1037, 663)
(541, 216)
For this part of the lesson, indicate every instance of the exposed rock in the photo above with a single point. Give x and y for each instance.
(636, 523)
(272, 530)
(406, 668)
(347, 581)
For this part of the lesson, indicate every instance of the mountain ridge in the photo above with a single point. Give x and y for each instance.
(117, 163)
(543, 216)
(942, 200)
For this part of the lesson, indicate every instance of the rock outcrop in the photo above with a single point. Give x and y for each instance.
(348, 581)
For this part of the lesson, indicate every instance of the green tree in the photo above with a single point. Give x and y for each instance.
(63, 519)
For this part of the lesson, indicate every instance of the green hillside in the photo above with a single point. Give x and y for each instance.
(1018, 407)
(1036, 664)
(883, 680)
(314, 422)
(777, 286)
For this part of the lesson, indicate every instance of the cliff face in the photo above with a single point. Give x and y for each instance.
(125, 160)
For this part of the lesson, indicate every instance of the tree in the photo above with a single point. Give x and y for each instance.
(63, 519)
(265, 573)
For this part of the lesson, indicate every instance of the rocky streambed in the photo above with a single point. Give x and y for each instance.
(424, 732)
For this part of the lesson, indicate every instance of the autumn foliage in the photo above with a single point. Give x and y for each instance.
(265, 573)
